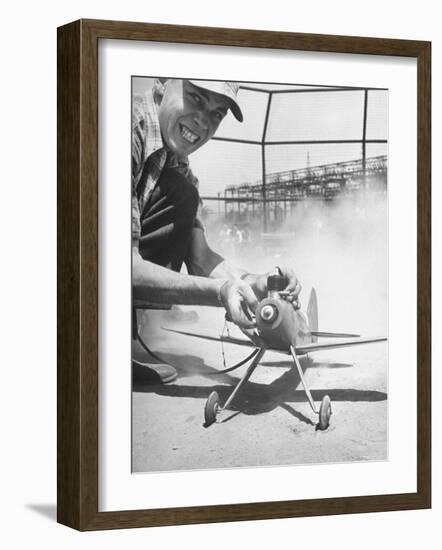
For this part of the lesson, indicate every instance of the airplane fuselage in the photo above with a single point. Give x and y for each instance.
(280, 326)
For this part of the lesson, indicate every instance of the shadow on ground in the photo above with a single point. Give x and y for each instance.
(311, 365)
(49, 511)
(255, 398)
(187, 366)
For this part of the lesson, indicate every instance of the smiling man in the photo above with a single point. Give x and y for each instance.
(171, 121)
(191, 111)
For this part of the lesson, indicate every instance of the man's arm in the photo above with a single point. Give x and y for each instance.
(154, 284)
(203, 261)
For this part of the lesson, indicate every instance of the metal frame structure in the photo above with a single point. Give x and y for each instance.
(244, 191)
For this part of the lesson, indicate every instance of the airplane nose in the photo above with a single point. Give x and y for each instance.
(268, 313)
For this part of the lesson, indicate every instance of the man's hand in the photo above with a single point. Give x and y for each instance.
(240, 303)
(293, 287)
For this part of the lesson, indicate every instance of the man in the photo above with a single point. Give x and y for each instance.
(171, 122)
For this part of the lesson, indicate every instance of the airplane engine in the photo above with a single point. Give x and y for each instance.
(276, 322)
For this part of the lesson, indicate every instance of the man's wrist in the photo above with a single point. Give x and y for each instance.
(219, 290)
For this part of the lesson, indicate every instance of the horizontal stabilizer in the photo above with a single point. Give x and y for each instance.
(323, 334)
(307, 348)
(226, 339)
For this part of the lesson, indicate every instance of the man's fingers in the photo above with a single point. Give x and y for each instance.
(242, 302)
(250, 297)
(292, 280)
(294, 288)
(245, 323)
(246, 310)
(238, 315)
(241, 305)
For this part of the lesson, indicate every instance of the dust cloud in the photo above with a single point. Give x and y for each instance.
(340, 247)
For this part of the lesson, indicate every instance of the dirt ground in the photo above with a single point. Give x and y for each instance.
(271, 422)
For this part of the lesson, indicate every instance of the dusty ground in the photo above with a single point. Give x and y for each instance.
(271, 422)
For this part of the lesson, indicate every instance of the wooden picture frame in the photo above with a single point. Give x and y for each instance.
(77, 461)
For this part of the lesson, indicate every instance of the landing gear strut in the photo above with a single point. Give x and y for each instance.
(213, 408)
(324, 411)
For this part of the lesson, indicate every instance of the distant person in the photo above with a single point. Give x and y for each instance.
(170, 121)
(237, 235)
(225, 236)
(246, 234)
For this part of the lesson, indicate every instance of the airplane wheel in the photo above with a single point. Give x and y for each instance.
(211, 408)
(325, 413)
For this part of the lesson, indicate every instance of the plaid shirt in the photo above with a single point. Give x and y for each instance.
(150, 155)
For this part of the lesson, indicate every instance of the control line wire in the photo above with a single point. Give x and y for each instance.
(228, 369)
(236, 365)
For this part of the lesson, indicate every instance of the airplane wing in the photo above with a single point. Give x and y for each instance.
(300, 350)
(307, 348)
(226, 339)
(323, 334)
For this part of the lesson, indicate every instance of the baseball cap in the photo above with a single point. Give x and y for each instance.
(227, 89)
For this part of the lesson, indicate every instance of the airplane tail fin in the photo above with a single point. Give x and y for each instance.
(312, 313)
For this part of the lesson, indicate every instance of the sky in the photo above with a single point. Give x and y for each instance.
(310, 115)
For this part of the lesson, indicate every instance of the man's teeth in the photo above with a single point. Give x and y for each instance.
(188, 135)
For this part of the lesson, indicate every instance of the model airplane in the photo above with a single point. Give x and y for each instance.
(281, 328)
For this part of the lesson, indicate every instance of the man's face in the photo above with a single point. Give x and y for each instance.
(189, 116)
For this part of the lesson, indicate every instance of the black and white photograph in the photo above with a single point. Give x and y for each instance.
(228, 237)
(259, 274)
